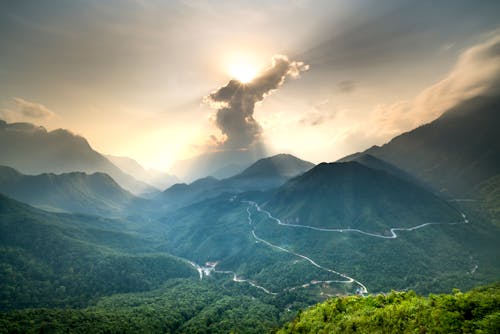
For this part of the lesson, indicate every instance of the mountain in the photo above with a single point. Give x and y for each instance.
(32, 149)
(49, 259)
(264, 174)
(153, 177)
(95, 194)
(337, 229)
(455, 153)
(228, 170)
(220, 164)
(267, 173)
(351, 195)
(278, 166)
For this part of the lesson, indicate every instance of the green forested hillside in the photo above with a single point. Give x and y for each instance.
(179, 306)
(489, 196)
(351, 195)
(49, 260)
(435, 258)
(476, 311)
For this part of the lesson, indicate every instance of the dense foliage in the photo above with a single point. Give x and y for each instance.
(477, 311)
(180, 306)
(51, 260)
(193, 306)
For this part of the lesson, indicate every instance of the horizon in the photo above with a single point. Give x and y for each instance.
(336, 88)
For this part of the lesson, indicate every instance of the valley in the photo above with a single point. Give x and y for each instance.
(214, 167)
(281, 235)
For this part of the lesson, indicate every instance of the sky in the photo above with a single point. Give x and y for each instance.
(153, 80)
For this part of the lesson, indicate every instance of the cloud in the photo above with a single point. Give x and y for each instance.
(476, 73)
(29, 109)
(235, 103)
(22, 110)
(322, 113)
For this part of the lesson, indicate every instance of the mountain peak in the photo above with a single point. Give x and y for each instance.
(284, 165)
(349, 194)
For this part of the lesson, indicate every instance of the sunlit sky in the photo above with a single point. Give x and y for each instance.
(131, 76)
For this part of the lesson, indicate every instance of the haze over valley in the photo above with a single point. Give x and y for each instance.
(192, 167)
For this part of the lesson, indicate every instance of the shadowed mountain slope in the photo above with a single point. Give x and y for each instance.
(31, 149)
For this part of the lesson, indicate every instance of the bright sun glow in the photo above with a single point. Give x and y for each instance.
(243, 72)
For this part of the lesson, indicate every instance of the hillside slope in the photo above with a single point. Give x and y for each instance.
(50, 260)
(454, 153)
(350, 195)
(72, 192)
(476, 311)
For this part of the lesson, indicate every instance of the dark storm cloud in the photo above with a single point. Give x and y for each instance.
(235, 102)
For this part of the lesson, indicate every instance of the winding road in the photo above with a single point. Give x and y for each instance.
(393, 234)
(362, 290)
(347, 279)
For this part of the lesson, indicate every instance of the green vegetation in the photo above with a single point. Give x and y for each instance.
(477, 311)
(80, 273)
(180, 306)
(433, 259)
(489, 193)
(351, 195)
(430, 260)
(193, 306)
(55, 260)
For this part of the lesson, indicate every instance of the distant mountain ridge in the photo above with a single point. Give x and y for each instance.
(280, 165)
(32, 149)
(156, 178)
(264, 174)
(97, 193)
(220, 164)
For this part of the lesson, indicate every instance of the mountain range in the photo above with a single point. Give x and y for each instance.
(32, 149)
(156, 178)
(220, 164)
(96, 194)
(420, 212)
(264, 174)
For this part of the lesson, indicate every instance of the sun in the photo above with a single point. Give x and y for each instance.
(244, 73)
